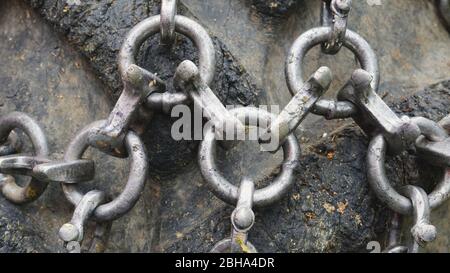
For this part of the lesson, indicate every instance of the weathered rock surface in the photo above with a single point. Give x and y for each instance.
(330, 208)
(275, 7)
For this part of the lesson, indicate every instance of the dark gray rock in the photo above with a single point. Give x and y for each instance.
(329, 209)
(274, 7)
(98, 29)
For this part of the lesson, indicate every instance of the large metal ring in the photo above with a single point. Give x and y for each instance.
(228, 192)
(316, 36)
(33, 188)
(383, 189)
(136, 178)
(183, 25)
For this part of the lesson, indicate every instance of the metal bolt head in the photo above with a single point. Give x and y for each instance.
(243, 219)
(424, 233)
(361, 78)
(68, 232)
(343, 6)
(324, 77)
(134, 74)
(408, 130)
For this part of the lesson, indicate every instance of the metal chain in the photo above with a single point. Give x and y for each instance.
(144, 92)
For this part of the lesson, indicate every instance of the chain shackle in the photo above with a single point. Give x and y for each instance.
(140, 85)
(294, 68)
(228, 192)
(126, 200)
(167, 22)
(334, 14)
(422, 231)
(72, 233)
(183, 25)
(382, 187)
(188, 78)
(296, 110)
(242, 220)
(34, 187)
(375, 116)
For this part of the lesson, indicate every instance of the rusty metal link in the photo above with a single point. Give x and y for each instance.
(228, 192)
(139, 84)
(242, 220)
(126, 200)
(334, 15)
(444, 12)
(33, 188)
(72, 233)
(294, 70)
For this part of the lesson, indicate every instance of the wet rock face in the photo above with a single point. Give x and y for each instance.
(274, 7)
(330, 208)
(18, 233)
(98, 29)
